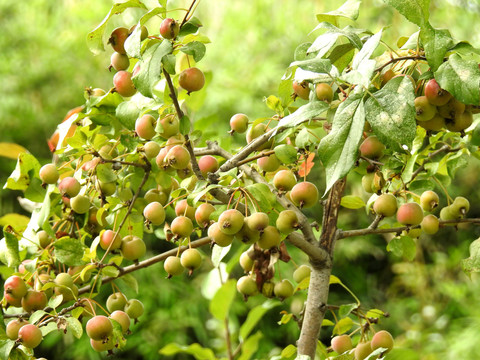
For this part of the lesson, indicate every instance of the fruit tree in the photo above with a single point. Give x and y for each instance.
(129, 165)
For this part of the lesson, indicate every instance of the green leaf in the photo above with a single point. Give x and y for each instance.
(75, 327)
(436, 43)
(12, 255)
(190, 27)
(55, 301)
(130, 281)
(95, 37)
(403, 246)
(303, 114)
(344, 310)
(402, 354)
(348, 10)
(168, 62)
(6, 346)
(185, 125)
(325, 42)
(352, 202)
(218, 253)
(375, 313)
(105, 173)
(338, 150)
(342, 55)
(472, 263)
(461, 78)
(196, 350)
(52, 326)
(263, 196)
(27, 166)
(415, 11)
(151, 67)
(316, 65)
(69, 251)
(196, 49)
(110, 271)
(289, 351)
(128, 111)
(254, 316)
(391, 113)
(326, 322)
(222, 300)
(287, 154)
(250, 346)
(342, 326)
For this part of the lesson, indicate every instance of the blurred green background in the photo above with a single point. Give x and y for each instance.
(45, 67)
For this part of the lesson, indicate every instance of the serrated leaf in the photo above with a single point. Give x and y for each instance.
(110, 271)
(325, 42)
(303, 113)
(344, 310)
(36, 316)
(222, 300)
(254, 316)
(55, 301)
(11, 150)
(436, 43)
(130, 281)
(51, 326)
(304, 284)
(415, 11)
(287, 154)
(352, 202)
(75, 327)
(338, 150)
(95, 37)
(196, 49)
(316, 65)
(391, 113)
(105, 173)
(472, 263)
(403, 246)
(151, 67)
(168, 62)
(348, 10)
(289, 351)
(196, 350)
(128, 111)
(218, 253)
(20, 178)
(326, 322)
(265, 199)
(250, 346)
(11, 244)
(342, 326)
(190, 27)
(375, 313)
(461, 78)
(6, 346)
(69, 251)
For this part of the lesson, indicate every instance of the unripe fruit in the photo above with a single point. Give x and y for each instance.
(230, 221)
(424, 110)
(119, 61)
(117, 39)
(239, 123)
(287, 221)
(183, 209)
(15, 286)
(324, 92)
(429, 200)
(218, 236)
(80, 204)
(447, 213)
(246, 262)
(49, 174)
(102, 345)
(302, 272)
(437, 123)
(169, 29)
(284, 180)
(436, 95)
(155, 213)
(191, 79)
(410, 214)
(207, 164)
(12, 300)
(269, 238)
(385, 205)
(430, 224)
(43, 239)
(108, 151)
(123, 83)
(170, 126)
(341, 344)
(256, 131)
(13, 327)
(301, 89)
(99, 327)
(460, 206)
(283, 289)
(154, 195)
(304, 194)
(65, 287)
(143, 31)
(122, 318)
(382, 339)
(30, 336)
(64, 279)
(387, 76)
(362, 350)
(182, 226)
(267, 289)
(178, 157)
(34, 300)
(134, 308)
(247, 286)
(202, 214)
(372, 148)
(268, 163)
(125, 194)
(460, 122)
(257, 221)
(69, 186)
(452, 109)
(133, 248)
(107, 189)
(173, 266)
(116, 301)
(145, 127)
(191, 259)
(367, 182)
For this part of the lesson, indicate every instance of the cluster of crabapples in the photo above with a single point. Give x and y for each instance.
(381, 340)
(191, 79)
